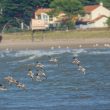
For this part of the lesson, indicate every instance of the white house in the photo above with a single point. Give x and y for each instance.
(95, 17)
(43, 20)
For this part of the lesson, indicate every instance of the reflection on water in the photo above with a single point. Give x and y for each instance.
(65, 87)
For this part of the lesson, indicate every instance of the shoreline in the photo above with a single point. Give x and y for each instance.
(57, 43)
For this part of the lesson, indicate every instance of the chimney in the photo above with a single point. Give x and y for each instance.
(101, 3)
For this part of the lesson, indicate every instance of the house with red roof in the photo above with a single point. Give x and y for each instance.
(95, 17)
(42, 20)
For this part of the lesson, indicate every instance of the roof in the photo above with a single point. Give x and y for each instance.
(96, 19)
(90, 8)
(99, 17)
(42, 10)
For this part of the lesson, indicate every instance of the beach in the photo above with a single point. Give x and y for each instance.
(60, 43)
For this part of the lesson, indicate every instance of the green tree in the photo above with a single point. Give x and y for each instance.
(108, 22)
(106, 3)
(44, 3)
(92, 2)
(70, 8)
(21, 9)
(88, 2)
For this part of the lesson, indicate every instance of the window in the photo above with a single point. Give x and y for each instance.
(45, 17)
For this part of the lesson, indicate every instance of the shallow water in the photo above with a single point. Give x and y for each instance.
(65, 88)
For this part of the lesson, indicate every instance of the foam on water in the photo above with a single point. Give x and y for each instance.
(28, 55)
(40, 53)
(28, 59)
(99, 52)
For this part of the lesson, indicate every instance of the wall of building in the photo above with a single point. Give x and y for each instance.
(100, 11)
(87, 17)
(101, 23)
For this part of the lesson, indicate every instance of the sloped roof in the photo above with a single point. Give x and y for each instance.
(99, 17)
(96, 19)
(90, 8)
(42, 10)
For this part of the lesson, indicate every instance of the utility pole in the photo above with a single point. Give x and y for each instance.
(1, 11)
(22, 25)
(1, 37)
(33, 31)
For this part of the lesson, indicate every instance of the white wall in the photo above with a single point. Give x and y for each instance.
(100, 11)
(95, 14)
(36, 17)
(101, 23)
(87, 17)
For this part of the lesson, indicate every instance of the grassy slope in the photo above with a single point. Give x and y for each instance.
(59, 35)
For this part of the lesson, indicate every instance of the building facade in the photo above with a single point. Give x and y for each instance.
(42, 19)
(95, 17)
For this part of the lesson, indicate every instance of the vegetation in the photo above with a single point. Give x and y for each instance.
(57, 35)
(108, 22)
(20, 9)
(71, 7)
(105, 2)
(24, 9)
(88, 2)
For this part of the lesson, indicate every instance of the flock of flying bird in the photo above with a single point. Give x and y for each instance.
(39, 75)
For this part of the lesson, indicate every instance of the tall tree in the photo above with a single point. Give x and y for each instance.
(106, 3)
(88, 2)
(44, 3)
(21, 9)
(108, 22)
(71, 7)
(92, 2)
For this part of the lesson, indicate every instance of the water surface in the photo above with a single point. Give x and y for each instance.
(65, 88)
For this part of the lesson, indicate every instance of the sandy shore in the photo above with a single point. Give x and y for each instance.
(60, 43)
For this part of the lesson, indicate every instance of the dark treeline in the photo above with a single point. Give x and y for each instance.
(24, 9)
